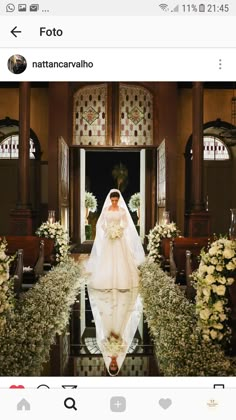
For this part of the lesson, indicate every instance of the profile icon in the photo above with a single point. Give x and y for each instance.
(17, 64)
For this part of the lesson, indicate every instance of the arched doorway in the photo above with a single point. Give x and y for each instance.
(218, 174)
(9, 153)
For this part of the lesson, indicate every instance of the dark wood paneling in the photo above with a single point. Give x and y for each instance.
(59, 125)
(150, 209)
(167, 102)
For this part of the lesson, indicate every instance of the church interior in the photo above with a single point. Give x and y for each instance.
(173, 143)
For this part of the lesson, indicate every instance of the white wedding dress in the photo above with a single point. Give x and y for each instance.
(118, 312)
(113, 278)
(116, 267)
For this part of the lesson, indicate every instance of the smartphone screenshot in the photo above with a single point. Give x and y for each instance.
(118, 209)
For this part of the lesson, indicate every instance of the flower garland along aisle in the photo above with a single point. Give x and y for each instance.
(179, 346)
(159, 232)
(57, 232)
(6, 285)
(215, 273)
(39, 314)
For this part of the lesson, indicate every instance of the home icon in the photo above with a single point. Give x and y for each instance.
(23, 405)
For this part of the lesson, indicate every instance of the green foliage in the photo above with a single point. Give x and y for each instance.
(88, 232)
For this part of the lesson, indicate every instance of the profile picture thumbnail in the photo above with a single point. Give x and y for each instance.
(17, 64)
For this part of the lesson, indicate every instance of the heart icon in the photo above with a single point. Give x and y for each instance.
(165, 403)
(17, 386)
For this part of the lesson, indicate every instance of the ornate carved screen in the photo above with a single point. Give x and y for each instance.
(161, 178)
(63, 182)
(136, 115)
(90, 115)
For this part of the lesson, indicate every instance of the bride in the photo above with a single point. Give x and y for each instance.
(117, 249)
(113, 281)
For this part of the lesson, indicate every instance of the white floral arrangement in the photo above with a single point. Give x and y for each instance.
(216, 272)
(155, 236)
(58, 233)
(173, 324)
(114, 231)
(39, 315)
(90, 201)
(134, 202)
(6, 292)
(113, 345)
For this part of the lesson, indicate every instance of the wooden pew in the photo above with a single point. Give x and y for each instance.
(30, 251)
(31, 247)
(18, 272)
(174, 254)
(190, 291)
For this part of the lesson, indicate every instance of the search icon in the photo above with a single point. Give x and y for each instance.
(70, 403)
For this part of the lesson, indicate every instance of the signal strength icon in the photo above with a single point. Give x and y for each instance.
(164, 7)
(176, 9)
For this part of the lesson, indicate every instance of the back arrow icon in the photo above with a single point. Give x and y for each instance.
(14, 32)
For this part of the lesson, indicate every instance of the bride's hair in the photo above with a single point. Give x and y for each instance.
(114, 194)
(113, 367)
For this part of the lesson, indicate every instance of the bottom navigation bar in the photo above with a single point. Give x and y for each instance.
(127, 403)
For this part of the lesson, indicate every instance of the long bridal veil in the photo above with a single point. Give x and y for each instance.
(117, 312)
(113, 284)
(131, 235)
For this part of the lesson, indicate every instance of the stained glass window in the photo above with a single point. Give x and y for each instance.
(136, 115)
(90, 115)
(9, 148)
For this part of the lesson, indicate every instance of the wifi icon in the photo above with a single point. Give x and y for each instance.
(164, 7)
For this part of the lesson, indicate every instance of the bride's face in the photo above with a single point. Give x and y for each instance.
(114, 201)
(113, 367)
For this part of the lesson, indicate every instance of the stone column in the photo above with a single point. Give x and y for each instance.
(21, 216)
(197, 147)
(23, 163)
(198, 221)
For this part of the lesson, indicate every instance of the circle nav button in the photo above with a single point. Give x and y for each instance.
(70, 403)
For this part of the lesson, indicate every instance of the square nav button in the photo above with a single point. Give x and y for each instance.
(118, 404)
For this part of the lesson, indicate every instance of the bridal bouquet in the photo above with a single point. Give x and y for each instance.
(113, 345)
(114, 231)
